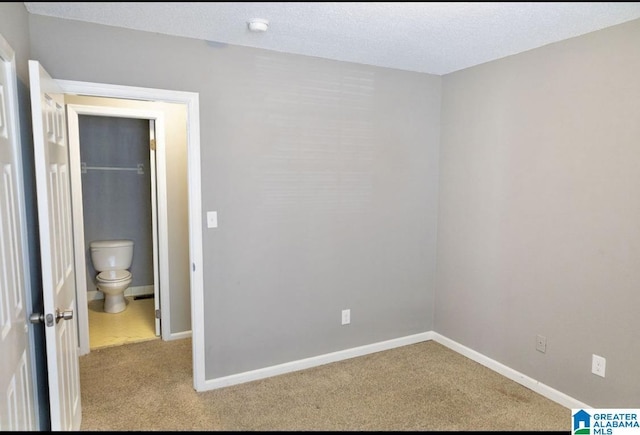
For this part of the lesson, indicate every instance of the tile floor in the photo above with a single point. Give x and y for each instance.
(136, 323)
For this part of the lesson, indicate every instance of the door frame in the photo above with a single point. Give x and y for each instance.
(159, 224)
(191, 100)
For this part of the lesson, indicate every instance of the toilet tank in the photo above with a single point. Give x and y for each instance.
(111, 254)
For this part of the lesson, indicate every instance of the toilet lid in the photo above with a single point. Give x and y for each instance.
(113, 275)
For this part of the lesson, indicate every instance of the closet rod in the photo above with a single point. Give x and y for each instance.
(83, 168)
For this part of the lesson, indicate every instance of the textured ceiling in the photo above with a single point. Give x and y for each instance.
(430, 37)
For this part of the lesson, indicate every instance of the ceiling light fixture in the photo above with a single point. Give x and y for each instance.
(258, 25)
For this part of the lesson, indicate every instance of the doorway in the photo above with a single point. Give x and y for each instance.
(168, 237)
(195, 299)
(118, 190)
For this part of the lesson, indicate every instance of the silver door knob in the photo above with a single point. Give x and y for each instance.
(60, 315)
(36, 318)
(65, 315)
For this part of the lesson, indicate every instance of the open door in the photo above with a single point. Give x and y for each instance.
(56, 245)
(18, 398)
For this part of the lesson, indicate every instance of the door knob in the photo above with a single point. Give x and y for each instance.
(65, 315)
(36, 318)
(60, 315)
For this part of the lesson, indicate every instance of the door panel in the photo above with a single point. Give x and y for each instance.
(58, 275)
(17, 396)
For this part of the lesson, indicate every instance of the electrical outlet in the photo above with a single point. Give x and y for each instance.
(598, 365)
(541, 343)
(346, 317)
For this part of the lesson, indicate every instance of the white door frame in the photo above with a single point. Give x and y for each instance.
(160, 221)
(191, 99)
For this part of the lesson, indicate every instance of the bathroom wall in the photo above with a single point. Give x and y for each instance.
(117, 203)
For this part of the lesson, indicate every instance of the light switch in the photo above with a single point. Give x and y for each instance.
(212, 219)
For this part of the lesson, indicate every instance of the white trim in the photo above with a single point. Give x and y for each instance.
(532, 384)
(162, 235)
(154, 228)
(293, 366)
(191, 99)
(306, 363)
(82, 313)
(179, 336)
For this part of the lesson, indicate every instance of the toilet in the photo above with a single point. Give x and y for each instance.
(112, 259)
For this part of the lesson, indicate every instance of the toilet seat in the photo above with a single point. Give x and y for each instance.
(113, 276)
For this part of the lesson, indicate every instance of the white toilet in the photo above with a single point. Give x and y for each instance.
(112, 259)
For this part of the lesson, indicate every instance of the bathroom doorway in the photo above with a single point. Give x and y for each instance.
(118, 183)
(149, 299)
(186, 315)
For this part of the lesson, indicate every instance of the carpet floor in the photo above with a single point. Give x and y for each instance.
(148, 386)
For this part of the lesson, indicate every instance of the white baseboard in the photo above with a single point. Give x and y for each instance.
(93, 295)
(179, 335)
(532, 384)
(306, 363)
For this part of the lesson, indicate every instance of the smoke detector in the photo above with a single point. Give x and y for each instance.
(258, 25)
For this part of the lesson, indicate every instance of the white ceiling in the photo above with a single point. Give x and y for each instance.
(430, 37)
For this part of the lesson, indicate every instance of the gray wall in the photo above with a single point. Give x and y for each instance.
(14, 27)
(539, 213)
(324, 175)
(117, 204)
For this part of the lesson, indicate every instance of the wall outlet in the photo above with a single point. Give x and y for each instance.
(598, 365)
(346, 317)
(541, 343)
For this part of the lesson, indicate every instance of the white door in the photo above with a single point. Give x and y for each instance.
(56, 245)
(17, 397)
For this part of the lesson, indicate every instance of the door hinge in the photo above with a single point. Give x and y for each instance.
(152, 144)
(158, 314)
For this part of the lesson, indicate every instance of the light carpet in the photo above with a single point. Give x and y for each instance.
(425, 386)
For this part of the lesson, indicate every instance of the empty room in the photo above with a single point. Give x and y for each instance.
(357, 216)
